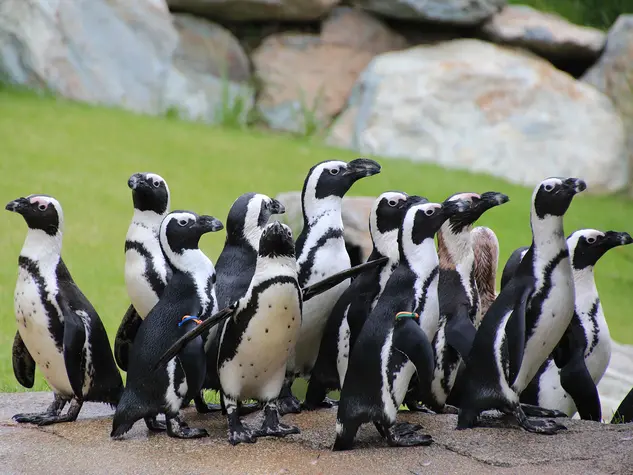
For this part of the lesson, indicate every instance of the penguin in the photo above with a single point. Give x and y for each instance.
(321, 252)
(459, 297)
(586, 347)
(186, 299)
(528, 317)
(624, 412)
(349, 312)
(392, 344)
(256, 341)
(146, 271)
(58, 328)
(235, 265)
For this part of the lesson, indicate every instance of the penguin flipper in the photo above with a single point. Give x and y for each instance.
(23, 363)
(515, 331)
(125, 337)
(74, 341)
(410, 339)
(577, 381)
(624, 413)
(460, 332)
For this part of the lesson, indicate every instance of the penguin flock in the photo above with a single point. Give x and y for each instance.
(419, 326)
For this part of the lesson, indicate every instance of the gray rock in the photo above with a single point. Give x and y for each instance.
(84, 446)
(613, 75)
(459, 12)
(133, 55)
(306, 79)
(473, 105)
(547, 34)
(249, 10)
(355, 212)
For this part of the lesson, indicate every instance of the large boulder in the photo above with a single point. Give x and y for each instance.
(547, 34)
(306, 79)
(613, 74)
(458, 12)
(256, 10)
(476, 106)
(133, 55)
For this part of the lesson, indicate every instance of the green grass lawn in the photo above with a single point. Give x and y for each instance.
(84, 155)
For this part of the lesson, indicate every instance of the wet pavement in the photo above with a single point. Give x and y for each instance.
(84, 446)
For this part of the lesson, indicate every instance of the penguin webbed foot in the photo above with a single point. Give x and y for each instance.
(179, 429)
(536, 426)
(325, 403)
(155, 425)
(53, 414)
(271, 427)
(237, 431)
(536, 411)
(404, 434)
(289, 405)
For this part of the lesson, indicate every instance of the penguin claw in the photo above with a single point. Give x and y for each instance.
(189, 433)
(288, 405)
(410, 440)
(547, 427)
(402, 429)
(241, 435)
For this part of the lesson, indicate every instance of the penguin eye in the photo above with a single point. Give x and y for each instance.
(429, 212)
(549, 187)
(289, 233)
(591, 240)
(392, 203)
(334, 171)
(42, 207)
(156, 183)
(183, 222)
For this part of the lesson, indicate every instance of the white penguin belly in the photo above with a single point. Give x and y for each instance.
(258, 367)
(556, 314)
(141, 294)
(33, 321)
(439, 346)
(598, 360)
(342, 359)
(551, 393)
(401, 382)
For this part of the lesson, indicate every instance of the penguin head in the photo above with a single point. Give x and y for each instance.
(587, 246)
(41, 212)
(248, 216)
(385, 220)
(276, 241)
(553, 196)
(333, 178)
(423, 219)
(474, 205)
(149, 192)
(181, 231)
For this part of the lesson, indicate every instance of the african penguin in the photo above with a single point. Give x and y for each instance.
(58, 328)
(235, 266)
(187, 298)
(351, 309)
(527, 319)
(392, 344)
(321, 252)
(146, 271)
(256, 341)
(586, 348)
(458, 292)
(624, 413)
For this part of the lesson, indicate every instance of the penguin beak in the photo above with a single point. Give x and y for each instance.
(134, 181)
(275, 207)
(209, 224)
(573, 186)
(490, 199)
(17, 206)
(361, 168)
(614, 239)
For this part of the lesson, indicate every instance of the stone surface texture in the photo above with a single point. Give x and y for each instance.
(84, 446)
(613, 74)
(250, 10)
(306, 79)
(459, 12)
(355, 212)
(477, 106)
(547, 34)
(133, 55)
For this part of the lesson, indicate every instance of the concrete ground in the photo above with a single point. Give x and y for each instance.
(84, 447)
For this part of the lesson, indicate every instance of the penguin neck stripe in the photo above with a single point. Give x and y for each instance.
(188, 318)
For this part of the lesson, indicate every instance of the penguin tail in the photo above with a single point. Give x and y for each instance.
(128, 410)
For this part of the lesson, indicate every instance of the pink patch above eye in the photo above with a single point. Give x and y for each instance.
(39, 201)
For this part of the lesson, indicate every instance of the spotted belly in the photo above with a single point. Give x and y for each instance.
(257, 370)
(33, 326)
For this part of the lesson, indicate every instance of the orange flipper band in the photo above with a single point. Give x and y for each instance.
(413, 315)
(187, 318)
